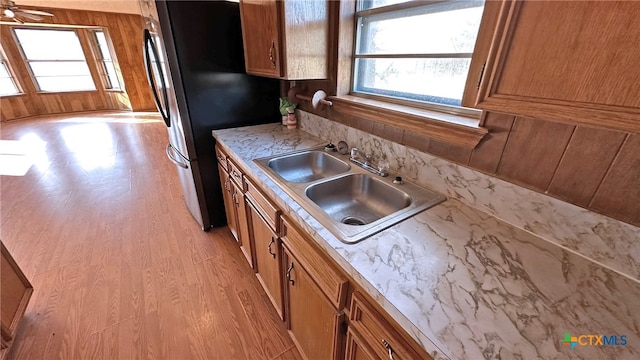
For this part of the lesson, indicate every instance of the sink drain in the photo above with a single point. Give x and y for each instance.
(352, 220)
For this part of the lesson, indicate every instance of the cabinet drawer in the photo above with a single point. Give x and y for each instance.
(265, 207)
(236, 174)
(379, 333)
(222, 158)
(328, 278)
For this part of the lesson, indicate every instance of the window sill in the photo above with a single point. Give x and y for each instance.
(454, 129)
(12, 95)
(64, 92)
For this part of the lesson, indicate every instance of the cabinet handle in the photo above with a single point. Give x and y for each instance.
(388, 347)
(235, 198)
(293, 282)
(272, 54)
(269, 247)
(226, 185)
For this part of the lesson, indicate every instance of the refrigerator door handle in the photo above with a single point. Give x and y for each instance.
(150, 46)
(170, 154)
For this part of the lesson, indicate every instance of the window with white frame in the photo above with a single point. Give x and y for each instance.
(7, 82)
(55, 58)
(110, 74)
(416, 51)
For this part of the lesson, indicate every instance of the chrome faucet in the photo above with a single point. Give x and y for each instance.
(382, 169)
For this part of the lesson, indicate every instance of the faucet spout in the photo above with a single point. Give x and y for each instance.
(366, 164)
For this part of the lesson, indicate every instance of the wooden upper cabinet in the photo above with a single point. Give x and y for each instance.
(285, 39)
(569, 61)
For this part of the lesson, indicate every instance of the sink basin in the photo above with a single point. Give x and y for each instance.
(307, 166)
(357, 199)
(348, 201)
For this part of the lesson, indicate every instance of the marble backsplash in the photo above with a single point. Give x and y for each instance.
(609, 242)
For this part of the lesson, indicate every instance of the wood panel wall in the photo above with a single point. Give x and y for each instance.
(597, 169)
(125, 31)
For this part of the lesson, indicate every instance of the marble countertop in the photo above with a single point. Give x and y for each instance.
(462, 283)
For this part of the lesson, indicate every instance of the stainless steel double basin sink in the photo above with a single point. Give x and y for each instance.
(350, 202)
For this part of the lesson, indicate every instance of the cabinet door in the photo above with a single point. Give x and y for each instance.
(312, 320)
(15, 291)
(568, 61)
(357, 348)
(267, 257)
(244, 239)
(378, 337)
(228, 197)
(260, 33)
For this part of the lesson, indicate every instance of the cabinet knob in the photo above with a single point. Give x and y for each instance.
(269, 247)
(272, 54)
(291, 281)
(388, 347)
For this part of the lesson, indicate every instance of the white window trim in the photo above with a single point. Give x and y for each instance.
(104, 74)
(12, 75)
(27, 61)
(463, 112)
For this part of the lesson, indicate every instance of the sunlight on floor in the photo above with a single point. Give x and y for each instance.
(17, 156)
(91, 144)
(87, 136)
(125, 118)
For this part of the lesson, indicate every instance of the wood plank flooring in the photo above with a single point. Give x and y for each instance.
(119, 267)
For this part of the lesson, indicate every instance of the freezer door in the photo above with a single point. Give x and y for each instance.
(161, 83)
(164, 94)
(185, 174)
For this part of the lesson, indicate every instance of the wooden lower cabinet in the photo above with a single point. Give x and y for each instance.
(236, 210)
(314, 324)
(240, 203)
(357, 348)
(374, 336)
(15, 291)
(227, 195)
(268, 255)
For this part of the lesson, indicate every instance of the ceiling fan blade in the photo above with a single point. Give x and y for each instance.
(29, 16)
(18, 20)
(35, 12)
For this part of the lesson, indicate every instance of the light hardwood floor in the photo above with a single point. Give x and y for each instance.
(119, 268)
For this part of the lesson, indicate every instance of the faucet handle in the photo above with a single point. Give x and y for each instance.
(354, 153)
(383, 166)
(368, 157)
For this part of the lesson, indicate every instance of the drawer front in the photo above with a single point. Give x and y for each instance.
(379, 333)
(236, 174)
(329, 279)
(265, 207)
(222, 158)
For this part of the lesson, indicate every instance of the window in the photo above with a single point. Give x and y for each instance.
(415, 51)
(104, 57)
(56, 59)
(7, 83)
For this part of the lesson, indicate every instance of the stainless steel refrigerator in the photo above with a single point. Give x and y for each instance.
(195, 64)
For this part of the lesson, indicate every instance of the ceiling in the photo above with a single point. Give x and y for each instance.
(117, 6)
